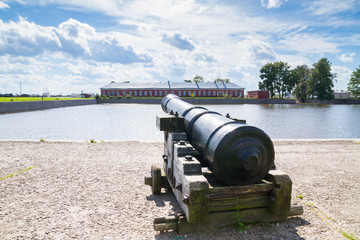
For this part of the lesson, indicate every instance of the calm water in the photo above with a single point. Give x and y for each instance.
(137, 122)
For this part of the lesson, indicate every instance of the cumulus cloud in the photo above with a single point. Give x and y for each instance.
(343, 75)
(72, 37)
(178, 40)
(272, 3)
(348, 58)
(3, 5)
(253, 51)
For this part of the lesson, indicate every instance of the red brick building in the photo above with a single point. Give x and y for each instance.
(259, 94)
(182, 89)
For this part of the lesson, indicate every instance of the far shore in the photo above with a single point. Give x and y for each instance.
(12, 107)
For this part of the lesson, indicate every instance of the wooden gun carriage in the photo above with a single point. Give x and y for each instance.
(220, 170)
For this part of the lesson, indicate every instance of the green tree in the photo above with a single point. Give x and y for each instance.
(301, 75)
(354, 84)
(187, 81)
(276, 79)
(226, 80)
(198, 79)
(321, 80)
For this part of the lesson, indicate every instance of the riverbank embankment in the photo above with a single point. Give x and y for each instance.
(82, 190)
(12, 107)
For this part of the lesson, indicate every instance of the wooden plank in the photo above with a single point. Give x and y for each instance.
(170, 123)
(225, 218)
(239, 203)
(238, 191)
(281, 194)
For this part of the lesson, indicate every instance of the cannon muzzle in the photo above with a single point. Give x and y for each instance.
(237, 154)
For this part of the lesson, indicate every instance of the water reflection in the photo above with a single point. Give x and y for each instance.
(137, 122)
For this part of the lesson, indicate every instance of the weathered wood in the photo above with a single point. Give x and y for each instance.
(296, 210)
(280, 198)
(148, 181)
(239, 203)
(165, 226)
(239, 191)
(225, 218)
(156, 180)
(170, 123)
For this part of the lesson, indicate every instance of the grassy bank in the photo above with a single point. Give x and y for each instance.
(27, 99)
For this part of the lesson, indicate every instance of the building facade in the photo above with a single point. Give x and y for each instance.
(259, 94)
(161, 89)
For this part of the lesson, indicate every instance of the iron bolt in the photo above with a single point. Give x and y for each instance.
(179, 187)
(186, 200)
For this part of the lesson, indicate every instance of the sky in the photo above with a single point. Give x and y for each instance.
(69, 46)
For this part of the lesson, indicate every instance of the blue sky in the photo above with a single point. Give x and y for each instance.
(68, 46)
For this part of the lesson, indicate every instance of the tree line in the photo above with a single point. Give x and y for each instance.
(200, 79)
(304, 82)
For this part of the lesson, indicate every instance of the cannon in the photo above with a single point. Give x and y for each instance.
(237, 154)
(220, 169)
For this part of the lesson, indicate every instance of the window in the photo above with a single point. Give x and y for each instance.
(135, 93)
(124, 93)
(117, 93)
(214, 93)
(160, 93)
(199, 93)
(179, 94)
(145, 93)
(140, 93)
(184, 93)
(112, 93)
(165, 93)
(155, 93)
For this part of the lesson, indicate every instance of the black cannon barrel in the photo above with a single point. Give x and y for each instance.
(237, 154)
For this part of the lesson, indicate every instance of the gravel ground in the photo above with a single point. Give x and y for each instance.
(78, 190)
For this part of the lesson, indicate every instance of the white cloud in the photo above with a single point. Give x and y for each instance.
(253, 52)
(272, 3)
(328, 7)
(178, 40)
(347, 57)
(342, 77)
(307, 43)
(72, 37)
(3, 5)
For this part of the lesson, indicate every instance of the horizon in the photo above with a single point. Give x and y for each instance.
(72, 46)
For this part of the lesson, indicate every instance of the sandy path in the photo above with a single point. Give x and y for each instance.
(95, 191)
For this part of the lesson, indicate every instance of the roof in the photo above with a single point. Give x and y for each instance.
(169, 85)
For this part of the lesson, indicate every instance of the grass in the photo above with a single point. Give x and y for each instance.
(328, 220)
(27, 99)
(13, 174)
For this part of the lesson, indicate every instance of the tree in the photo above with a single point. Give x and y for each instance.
(198, 79)
(226, 80)
(276, 79)
(354, 84)
(301, 75)
(321, 80)
(187, 81)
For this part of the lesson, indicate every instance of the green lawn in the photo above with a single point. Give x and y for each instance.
(25, 99)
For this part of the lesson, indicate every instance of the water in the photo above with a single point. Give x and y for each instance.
(137, 121)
